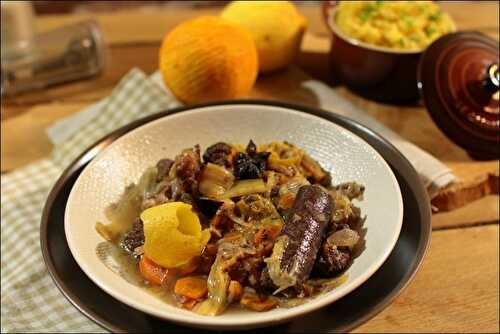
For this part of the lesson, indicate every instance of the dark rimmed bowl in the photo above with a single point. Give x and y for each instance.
(378, 73)
(347, 313)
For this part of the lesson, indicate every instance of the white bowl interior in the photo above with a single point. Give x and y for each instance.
(345, 155)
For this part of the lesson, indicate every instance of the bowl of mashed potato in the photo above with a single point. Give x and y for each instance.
(376, 45)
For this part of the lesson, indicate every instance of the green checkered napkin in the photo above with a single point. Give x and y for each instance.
(30, 302)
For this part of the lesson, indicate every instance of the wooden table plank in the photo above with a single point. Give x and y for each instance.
(154, 22)
(478, 212)
(24, 138)
(456, 289)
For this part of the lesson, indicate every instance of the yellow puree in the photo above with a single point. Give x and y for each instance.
(409, 25)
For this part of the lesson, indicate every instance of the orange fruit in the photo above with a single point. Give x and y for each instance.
(208, 58)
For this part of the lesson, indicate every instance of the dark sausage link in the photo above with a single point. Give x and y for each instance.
(304, 230)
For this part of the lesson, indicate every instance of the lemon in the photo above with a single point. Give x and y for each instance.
(173, 234)
(208, 58)
(276, 26)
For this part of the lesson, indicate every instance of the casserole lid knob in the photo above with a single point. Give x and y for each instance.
(458, 78)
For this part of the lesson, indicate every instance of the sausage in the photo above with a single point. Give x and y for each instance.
(296, 248)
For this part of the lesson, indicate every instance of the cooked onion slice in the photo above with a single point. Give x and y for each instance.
(245, 187)
(215, 180)
(344, 238)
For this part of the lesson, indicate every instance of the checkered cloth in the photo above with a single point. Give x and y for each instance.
(30, 300)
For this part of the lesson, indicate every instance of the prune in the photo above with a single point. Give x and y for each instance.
(251, 148)
(250, 165)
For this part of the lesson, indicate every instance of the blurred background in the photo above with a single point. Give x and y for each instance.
(59, 7)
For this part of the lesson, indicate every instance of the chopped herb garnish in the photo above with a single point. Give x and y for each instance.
(401, 42)
(379, 3)
(435, 16)
(429, 30)
(415, 39)
(367, 11)
(364, 16)
(408, 20)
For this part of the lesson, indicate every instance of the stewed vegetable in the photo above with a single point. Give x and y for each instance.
(256, 226)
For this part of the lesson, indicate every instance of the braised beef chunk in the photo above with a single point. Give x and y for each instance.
(163, 166)
(332, 260)
(250, 165)
(135, 237)
(238, 273)
(206, 262)
(187, 167)
(218, 154)
(266, 283)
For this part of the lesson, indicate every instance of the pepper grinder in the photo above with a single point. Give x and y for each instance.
(34, 61)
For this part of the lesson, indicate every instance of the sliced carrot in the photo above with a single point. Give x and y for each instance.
(191, 287)
(235, 290)
(190, 304)
(217, 219)
(152, 271)
(191, 266)
(268, 232)
(313, 168)
(286, 201)
(256, 304)
(211, 249)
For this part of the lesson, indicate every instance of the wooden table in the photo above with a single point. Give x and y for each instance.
(456, 288)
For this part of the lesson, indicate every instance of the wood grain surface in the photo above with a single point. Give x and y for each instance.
(456, 289)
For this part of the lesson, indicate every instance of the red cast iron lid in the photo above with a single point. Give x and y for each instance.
(459, 81)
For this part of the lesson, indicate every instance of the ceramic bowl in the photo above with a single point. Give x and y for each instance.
(378, 73)
(345, 155)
